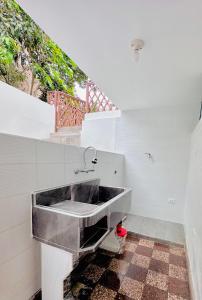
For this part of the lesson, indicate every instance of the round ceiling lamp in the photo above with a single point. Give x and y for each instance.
(137, 46)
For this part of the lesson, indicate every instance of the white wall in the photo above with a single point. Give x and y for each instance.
(27, 165)
(193, 212)
(99, 129)
(24, 115)
(163, 132)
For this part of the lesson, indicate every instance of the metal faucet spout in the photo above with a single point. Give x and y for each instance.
(94, 161)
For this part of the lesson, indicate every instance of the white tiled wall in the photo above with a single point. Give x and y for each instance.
(27, 165)
(193, 212)
(165, 133)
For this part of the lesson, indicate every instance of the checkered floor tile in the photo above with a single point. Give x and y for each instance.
(147, 270)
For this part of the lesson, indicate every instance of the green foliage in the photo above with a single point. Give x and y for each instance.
(23, 45)
(94, 107)
(10, 75)
(8, 49)
(8, 52)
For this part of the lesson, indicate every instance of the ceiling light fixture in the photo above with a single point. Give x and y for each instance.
(136, 46)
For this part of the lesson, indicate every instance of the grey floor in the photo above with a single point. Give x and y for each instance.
(163, 230)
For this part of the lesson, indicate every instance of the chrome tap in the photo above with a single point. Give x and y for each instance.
(93, 161)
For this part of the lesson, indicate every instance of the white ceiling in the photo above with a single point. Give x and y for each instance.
(97, 35)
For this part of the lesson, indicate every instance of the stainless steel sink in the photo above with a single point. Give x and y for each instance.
(77, 217)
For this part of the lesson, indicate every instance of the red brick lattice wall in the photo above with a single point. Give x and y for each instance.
(96, 100)
(70, 111)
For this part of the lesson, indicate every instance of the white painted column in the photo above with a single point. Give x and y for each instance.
(56, 265)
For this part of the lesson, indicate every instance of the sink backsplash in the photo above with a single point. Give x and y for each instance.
(87, 192)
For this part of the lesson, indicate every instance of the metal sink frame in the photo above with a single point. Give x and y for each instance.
(77, 217)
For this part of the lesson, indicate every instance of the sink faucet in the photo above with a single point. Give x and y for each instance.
(93, 161)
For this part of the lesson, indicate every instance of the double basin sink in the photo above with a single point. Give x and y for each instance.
(77, 217)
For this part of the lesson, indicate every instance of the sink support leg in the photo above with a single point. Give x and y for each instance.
(56, 265)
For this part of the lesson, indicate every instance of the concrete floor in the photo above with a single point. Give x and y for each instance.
(154, 228)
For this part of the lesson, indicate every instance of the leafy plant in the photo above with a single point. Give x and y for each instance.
(8, 52)
(24, 46)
